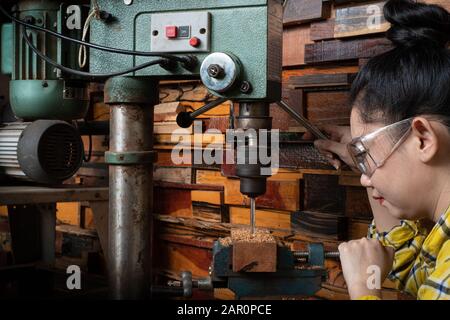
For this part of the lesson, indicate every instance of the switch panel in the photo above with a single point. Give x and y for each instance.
(180, 32)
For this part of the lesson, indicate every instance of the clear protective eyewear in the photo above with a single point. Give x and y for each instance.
(371, 151)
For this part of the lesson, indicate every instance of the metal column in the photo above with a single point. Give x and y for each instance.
(131, 184)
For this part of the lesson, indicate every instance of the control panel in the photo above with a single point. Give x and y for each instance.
(180, 32)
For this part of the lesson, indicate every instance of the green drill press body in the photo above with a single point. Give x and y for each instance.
(251, 30)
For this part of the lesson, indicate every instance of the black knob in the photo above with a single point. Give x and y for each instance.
(184, 119)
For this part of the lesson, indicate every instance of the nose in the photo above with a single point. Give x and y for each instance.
(365, 181)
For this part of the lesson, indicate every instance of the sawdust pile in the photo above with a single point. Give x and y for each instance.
(245, 235)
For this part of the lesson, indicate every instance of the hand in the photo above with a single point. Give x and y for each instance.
(359, 259)
(340, 136)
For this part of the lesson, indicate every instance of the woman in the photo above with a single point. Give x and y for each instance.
(400, 141)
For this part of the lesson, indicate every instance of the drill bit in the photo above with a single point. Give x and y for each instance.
(252, 214)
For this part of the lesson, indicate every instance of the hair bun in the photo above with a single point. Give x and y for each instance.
(417, 23)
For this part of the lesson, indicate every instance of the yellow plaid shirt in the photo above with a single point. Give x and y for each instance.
(422, 261)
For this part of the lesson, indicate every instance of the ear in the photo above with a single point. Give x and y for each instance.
(426, 136)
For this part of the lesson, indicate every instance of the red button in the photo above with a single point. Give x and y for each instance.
(194, 41)
(171, 32)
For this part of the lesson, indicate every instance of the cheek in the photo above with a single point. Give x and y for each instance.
(396, 181)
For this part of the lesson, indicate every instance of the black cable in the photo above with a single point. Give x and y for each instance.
(96, 46)
(87, 74)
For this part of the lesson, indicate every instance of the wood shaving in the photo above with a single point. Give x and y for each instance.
(245, 235)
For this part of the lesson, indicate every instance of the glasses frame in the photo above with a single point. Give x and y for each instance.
(360, 144)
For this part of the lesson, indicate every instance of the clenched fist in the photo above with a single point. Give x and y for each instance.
(365, 264)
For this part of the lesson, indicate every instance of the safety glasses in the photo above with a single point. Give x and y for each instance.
(371, 151)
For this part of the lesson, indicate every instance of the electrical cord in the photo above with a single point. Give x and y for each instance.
(87, 74)
(185, 59)
(82, 53)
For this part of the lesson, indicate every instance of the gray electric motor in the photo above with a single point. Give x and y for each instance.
(43, 151)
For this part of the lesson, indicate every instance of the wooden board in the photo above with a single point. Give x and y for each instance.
(213, 124)
(339, 50)
(322, 30)
(322, 193)
(322, 80)
(330, 107)
(172, 201)
(68, 213)
(206, 196)
(357, 228)
(281, 120)
(179, 254)
(319, 69)
(264, 218)
(183, 139)
(357, 20)
(167, 111)
(172, 174)
(165, 159)
(254, 257)
(294, 41)
(302, 11)
(170, 127)
(357, 203)
(209, 212)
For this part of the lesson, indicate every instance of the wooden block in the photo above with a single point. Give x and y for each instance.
(339, 50)
(357, 203)
(352, 180)
(165, 159)
(359, 20)
(318, 69)
(254, 257)
(280, 195)
(281, 120)
(357, 228)
(169, 94)
(208, 212)
(172, 201)
(100, 111)
(302, 11)
(74, 240)
(330, 107)
(88, 219)
(206, 196)
(167, 111)
(180, 253)
(220, 124)
(322, 193)
(294, 41)
(264, 218)
(322, 30)
(194, 93)
(68, 213)
(170, 127)
(322, 80)
(202, 139)
(172, 174)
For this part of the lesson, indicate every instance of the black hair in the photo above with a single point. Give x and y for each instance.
(414, 77)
